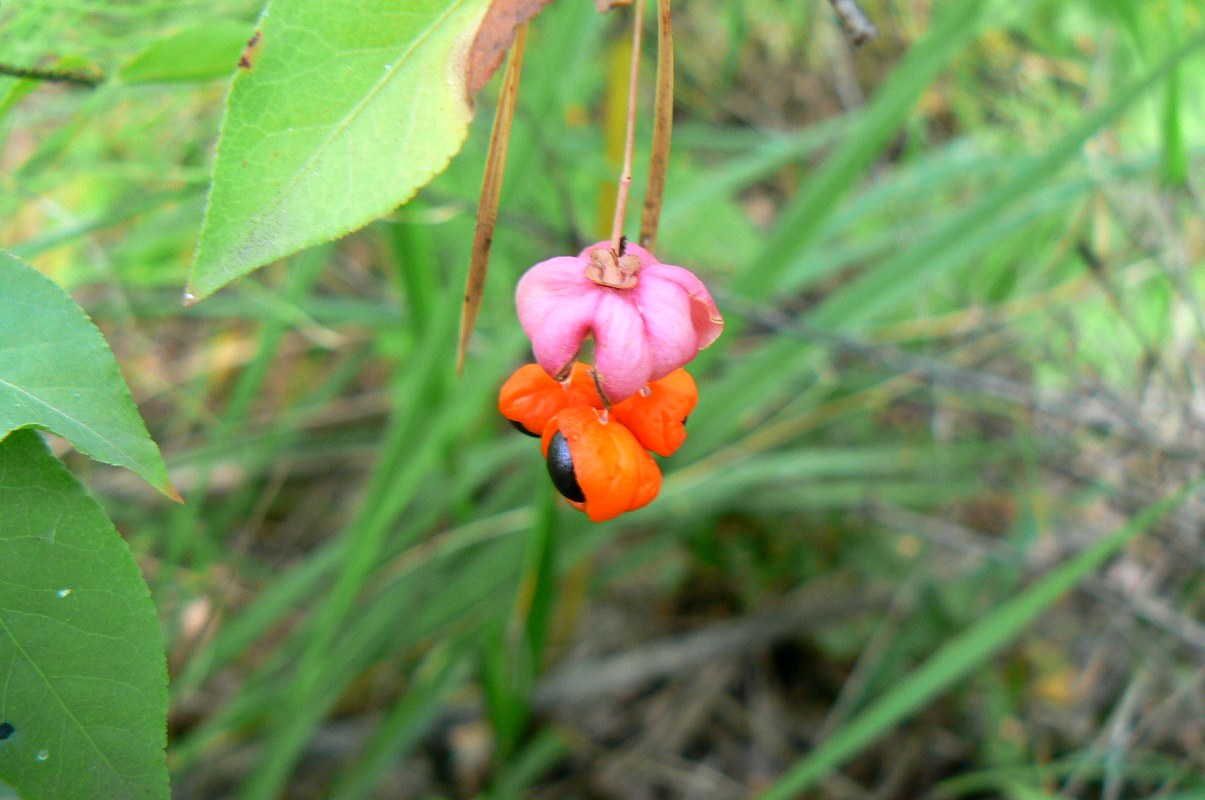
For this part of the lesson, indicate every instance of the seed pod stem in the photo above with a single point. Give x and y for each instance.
(625, 178)
(663, 126)
(491, 191)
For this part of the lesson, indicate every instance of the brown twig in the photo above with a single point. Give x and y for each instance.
(52, 75)
(663, 125)
(857, 25)
(491, 191)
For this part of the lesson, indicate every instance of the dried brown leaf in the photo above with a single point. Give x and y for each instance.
(491, 192)
(495, 36)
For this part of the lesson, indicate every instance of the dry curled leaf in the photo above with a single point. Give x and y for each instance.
(495, 36)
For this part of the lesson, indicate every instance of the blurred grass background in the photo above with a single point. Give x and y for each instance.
(960, 272)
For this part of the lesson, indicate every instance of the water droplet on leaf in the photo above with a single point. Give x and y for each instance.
(42, 755)
(63, 593)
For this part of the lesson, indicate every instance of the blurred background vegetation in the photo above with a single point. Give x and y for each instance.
(959, 269)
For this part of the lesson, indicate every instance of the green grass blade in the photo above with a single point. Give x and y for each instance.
(1175, 153)
(801, 223)
(441, 673)
(961, 655)
(947, 245)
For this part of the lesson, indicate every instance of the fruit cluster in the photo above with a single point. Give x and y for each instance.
(648, 320)
(598, 456)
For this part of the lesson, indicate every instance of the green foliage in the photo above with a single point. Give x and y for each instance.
(58, 374)
(200, 53)
(963, 294)
(958, 240)
(800, 223)
(961, 654)
(86, 685)
(345, 110)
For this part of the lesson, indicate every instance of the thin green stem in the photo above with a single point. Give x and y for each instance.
(52, 75)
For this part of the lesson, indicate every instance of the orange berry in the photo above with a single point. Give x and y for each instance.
(658, 419)
(598, 459)
(530, 397)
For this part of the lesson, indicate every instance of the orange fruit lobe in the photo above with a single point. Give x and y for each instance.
(658, 419)
(530, 397)
(614, 471)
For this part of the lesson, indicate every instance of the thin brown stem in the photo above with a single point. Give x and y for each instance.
(491, 191)
(663, 126)
(625, 178)
(72, 76)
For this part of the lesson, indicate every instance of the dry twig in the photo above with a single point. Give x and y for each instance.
(854, 21)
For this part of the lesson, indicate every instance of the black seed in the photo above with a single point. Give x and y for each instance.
(6, 730)
(684, 419)
(560, 469)
(522, 429)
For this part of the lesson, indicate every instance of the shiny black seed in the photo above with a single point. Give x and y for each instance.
(560, 469)
(521, 429)
(6, 730)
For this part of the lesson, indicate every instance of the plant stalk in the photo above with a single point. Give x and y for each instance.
(663, 126)
(491, 191)
(52, 75)
(625, 178)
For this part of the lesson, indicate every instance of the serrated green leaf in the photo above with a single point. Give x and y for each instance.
(346, 110)
(85, 687)
(196, 54)
(57, 373)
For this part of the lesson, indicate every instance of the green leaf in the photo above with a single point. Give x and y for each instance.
(1175, 153)
(196, 54)
(85, 687)
(58, 374)
(8, 101)
(346, 110)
